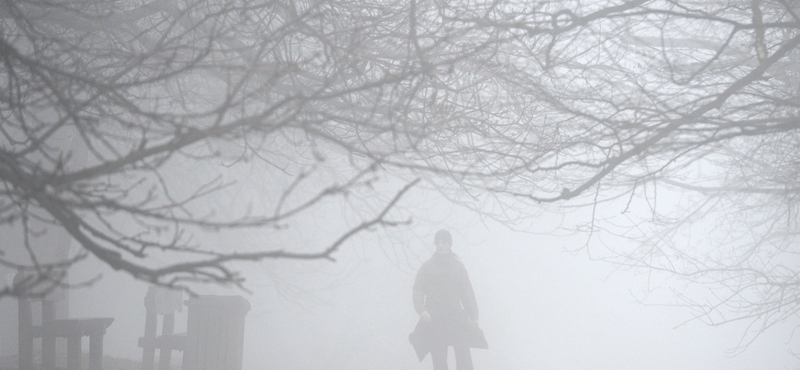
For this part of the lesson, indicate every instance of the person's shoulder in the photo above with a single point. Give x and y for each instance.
(457, 260)
(432, 263)
(427, 264)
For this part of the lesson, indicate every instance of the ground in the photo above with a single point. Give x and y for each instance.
(109, 363)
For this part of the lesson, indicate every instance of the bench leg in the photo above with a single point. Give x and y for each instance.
(165, 355)
(26, 354)
(148, 358)
(73, 352)
(150, 327)
(96, 352)
(164, 359)
(25, 322)
(49, 352)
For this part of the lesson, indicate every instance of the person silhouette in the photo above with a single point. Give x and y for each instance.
(448, 311)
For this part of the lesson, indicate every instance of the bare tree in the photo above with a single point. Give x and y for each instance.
(103, 102)
(506, 107)
(681, 117)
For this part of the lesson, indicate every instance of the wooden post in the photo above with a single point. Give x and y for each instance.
(215, 333)
(25, 334)
(150, 327)
(48, 337)
(165, 355)
(96, 351)
(73, 353)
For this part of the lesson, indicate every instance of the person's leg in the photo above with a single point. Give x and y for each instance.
(463, 358)
(439, 357)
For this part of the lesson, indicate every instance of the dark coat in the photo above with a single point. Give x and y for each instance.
(442, 288)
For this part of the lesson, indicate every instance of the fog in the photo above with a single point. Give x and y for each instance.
(544, 304)
(620, 193)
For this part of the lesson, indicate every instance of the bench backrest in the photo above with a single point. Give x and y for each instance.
(163, 302)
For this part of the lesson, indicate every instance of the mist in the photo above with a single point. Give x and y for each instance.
(618, 181)
(544, 305)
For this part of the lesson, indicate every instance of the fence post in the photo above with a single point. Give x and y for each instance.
(215, 333)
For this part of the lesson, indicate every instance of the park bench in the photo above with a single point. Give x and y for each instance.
(50, 328)
(214, 335)
(164, 303)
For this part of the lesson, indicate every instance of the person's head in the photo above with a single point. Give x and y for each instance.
(443, 241)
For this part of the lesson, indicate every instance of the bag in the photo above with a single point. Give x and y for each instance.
(426, 333)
